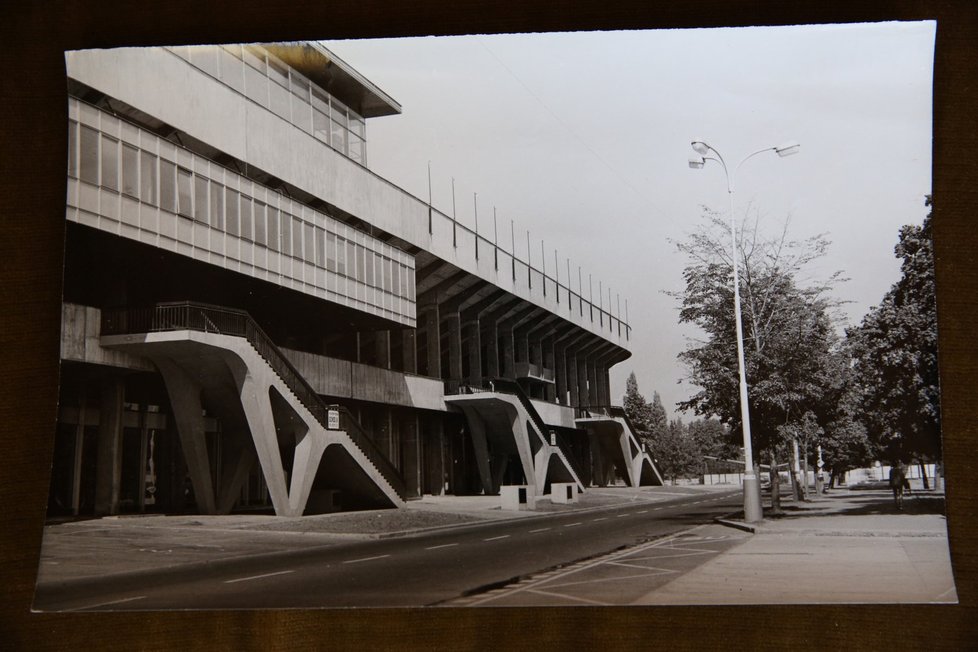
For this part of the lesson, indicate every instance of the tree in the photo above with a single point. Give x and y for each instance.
(895, 356)
(676, 452)
(789, 330)
(637, 409)
(711, 439)
(658, 421)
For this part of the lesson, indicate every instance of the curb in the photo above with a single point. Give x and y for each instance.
(726, 521)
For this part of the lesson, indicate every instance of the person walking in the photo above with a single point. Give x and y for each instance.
(898, 481)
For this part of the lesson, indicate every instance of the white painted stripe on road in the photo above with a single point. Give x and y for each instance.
(572, 524)
(603, 518)
(504, 536)
(444, 545)
(543, 529)
(621, 515)
(105, 604)
(258, 577)
(356, 561)
(642, 512)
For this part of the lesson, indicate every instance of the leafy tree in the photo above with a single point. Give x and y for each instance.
(845, 444)
(637, 409)
(658, 421)
(895, 356)
(676, 452)
(711, 438)
(789, 330)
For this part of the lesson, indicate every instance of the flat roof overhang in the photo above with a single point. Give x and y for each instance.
(336, 76)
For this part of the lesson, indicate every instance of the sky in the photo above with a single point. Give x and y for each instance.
(584, 140)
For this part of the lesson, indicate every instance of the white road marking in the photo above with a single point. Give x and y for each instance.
(444, 545)
(355, 561)
(572, 524)
(642, 512)
(621, 515)
(258, 577)
(105, 604)
(543, 529)
(603, 518)
(504, 536)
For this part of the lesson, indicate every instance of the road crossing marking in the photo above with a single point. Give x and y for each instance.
(504, 536)
(444, 545)
(258, 577)
(355, 561)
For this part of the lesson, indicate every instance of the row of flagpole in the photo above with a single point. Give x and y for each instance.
(512, 253)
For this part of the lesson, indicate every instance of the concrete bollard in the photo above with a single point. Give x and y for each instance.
(518, 497)
(563, 492)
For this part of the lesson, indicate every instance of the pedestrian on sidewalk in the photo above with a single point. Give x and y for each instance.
(898, 482)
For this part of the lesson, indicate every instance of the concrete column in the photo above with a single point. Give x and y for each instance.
(454, 346)
(242, 458)
(601, 383)
(184, 394)
(108, 468)
(411, 463)
(509, 351)
(308, 454)
(382, 349)
(434, 444)
(535, 355)
(477, 429)
(572, 383)
(582, 388)
(547, 362)
(474, 352)
(522, 346)
(409, 350)
(560, 374)
(492, 351)
(592, 379)
(433, 331)
(77, 466)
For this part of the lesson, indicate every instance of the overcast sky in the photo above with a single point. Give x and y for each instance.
(584, 140)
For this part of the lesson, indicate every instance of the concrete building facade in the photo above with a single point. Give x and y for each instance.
(253, 319)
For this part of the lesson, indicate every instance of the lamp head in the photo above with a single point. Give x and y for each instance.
(696, 163)
(787, 149)
(700, 147)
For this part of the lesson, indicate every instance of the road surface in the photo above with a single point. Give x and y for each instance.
(428, 568)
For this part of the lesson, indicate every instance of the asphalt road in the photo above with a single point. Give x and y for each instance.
(423, 569)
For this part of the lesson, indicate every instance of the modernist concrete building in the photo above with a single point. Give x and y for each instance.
(254, 320)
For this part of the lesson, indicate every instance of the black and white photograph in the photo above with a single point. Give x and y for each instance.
(566, 319)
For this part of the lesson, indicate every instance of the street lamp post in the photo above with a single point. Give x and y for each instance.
(752, 489)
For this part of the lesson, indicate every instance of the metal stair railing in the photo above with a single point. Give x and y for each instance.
(511, 387)
(208, 318)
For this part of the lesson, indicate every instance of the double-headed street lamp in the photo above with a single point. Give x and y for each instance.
(752, 489)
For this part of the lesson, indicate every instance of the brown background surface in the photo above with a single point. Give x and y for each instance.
(32, 196)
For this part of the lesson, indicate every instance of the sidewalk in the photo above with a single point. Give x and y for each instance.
(845, 546)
